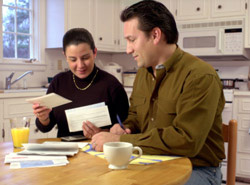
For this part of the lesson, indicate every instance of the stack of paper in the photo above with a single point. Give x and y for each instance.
(50, 148)
(30, 161)
(46, 154)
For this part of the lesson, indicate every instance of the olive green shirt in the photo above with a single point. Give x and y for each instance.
(178, 112)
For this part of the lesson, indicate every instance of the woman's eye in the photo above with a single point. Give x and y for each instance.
(85, 58)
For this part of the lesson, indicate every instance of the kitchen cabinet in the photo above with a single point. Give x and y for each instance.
(226, 8)
(15, 106)
(1, 120)
(100, 17)
(241, 113)
(247, 43)
(105, 25)
(63, 15)
(191, 9)
(194, 10)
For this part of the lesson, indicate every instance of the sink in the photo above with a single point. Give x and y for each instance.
(23, 90)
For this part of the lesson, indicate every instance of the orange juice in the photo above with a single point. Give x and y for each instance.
(20, 136)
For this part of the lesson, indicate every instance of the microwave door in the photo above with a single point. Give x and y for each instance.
(201, 43)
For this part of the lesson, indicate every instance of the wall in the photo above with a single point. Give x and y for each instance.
(55, 63)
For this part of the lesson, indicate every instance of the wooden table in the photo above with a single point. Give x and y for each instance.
(90, 170)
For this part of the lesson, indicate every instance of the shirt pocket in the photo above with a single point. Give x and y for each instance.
(166, 112)
(139, 105)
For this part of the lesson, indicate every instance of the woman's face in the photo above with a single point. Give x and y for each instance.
(80, 59)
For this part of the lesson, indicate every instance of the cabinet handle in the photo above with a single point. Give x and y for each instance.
(114, 41)
(249, 131)
(219, 7)
(119, 42)
(3, 133)
(198, 9)
(100, 38)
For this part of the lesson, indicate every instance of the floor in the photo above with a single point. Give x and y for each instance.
(238, 183)
(241, 183)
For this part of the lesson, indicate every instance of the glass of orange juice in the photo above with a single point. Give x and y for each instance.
(20, 131)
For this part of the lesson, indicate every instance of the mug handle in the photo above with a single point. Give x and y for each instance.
(139, 150)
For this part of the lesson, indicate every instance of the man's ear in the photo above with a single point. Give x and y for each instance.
(156, 35)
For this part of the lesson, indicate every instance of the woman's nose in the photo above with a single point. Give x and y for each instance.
(80, 63)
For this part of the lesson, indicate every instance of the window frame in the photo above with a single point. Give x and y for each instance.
(36, 37)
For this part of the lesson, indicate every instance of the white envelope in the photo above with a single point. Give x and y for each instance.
(49, 100)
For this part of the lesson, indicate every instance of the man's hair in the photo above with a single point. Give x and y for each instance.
(77, 36)
(152, 14)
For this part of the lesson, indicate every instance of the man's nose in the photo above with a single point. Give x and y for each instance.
(129, 49)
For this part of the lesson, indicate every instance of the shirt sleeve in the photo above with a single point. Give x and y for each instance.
(197, 107)
(52, 122)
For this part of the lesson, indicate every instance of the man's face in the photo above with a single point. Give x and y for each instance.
(138, 44)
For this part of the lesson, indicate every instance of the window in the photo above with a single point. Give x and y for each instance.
(17, 29)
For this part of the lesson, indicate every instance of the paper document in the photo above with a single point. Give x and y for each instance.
(49, 100)
(30, 161)
(56, 148)
(143, 160)
(97, 114)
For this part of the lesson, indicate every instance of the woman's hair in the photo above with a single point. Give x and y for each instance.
(77, 36)
(152, 14)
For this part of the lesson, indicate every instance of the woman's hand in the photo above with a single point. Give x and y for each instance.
(89, 130)
(42, 113)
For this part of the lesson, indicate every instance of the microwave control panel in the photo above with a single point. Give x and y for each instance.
(233, 41)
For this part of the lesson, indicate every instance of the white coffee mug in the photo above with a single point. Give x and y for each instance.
(118, 154)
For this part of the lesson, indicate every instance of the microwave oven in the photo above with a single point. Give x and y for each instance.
(222, 40)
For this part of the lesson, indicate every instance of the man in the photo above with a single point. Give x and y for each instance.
(177, 99)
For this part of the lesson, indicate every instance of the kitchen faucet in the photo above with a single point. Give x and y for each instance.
(8, 79)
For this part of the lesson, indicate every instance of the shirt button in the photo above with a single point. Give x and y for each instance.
(152, 119)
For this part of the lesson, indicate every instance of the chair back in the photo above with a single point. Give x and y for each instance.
(230, 135)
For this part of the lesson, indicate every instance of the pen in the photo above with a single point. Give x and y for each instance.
(119, 121)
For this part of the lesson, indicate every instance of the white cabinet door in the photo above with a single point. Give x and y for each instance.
(247, 34)
(225, 8)
(191, 9)
(242, 115)
(1, 121)
(55, 21)
(105, 26)
(122, 5)
(79, 14)
(170, 4)
(63, 15)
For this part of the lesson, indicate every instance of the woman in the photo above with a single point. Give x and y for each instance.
(84, 84)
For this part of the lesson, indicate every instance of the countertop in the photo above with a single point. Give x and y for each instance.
(19, 93)
(241, 93)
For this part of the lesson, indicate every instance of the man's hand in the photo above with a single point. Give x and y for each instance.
(116, 129)
(103, 137)
(89, 129)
